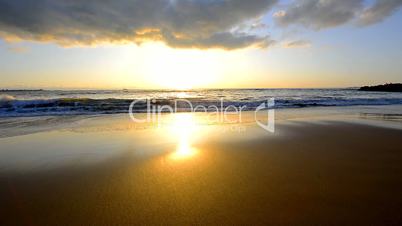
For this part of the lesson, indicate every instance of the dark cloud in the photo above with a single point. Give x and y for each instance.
(178, 23)
(319, 14)
(379, 11)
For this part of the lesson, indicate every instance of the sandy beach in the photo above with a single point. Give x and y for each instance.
(200, 112)
(322, 166)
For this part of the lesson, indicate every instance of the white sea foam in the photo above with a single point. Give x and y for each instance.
(6, 98)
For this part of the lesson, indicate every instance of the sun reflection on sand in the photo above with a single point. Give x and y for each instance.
(183, 127)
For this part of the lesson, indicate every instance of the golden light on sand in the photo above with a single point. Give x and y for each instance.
(184, 150)
(183, 128)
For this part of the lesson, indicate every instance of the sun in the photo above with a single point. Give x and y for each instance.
(181, 69)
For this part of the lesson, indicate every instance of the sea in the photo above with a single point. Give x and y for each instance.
(23, 103)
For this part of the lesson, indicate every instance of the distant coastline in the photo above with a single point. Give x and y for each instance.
(20, 90)
(390, 87)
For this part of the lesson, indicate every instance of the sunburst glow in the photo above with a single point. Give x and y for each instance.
(181, 69)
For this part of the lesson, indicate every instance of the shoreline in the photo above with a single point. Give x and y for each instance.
(375, 115)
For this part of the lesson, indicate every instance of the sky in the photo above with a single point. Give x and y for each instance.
(183, 44)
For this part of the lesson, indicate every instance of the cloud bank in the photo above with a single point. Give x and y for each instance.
(226, 24)
(320, 14)
(178, 23)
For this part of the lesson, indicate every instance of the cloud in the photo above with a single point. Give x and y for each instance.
(17, 49)
(379, 11)
(297, 44)
(225, 24)
(318, 14)
(321, 14)
(178, 23)
(225, 40)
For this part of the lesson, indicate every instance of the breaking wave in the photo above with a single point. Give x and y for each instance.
(10, 106)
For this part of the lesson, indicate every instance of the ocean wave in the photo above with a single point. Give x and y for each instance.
(9, 106)
(6, 98)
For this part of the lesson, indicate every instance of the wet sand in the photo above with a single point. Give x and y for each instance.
(339, 168)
